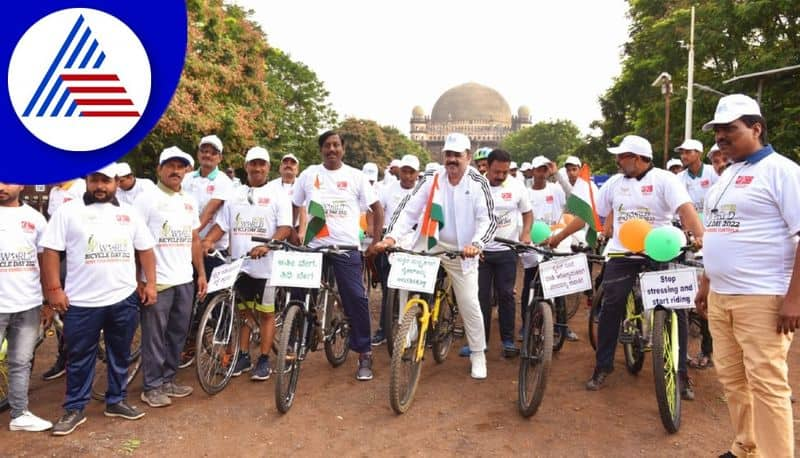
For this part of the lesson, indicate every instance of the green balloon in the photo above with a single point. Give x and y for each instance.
(361, 234)
(540, 231)
(663, 244)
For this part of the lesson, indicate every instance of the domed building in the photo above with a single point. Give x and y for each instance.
(473, 109)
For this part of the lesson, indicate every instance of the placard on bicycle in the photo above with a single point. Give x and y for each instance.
(413, 272)
(224, 276)
(563, 276)
(296, 269)
(671, 289)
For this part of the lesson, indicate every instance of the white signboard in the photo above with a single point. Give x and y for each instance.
(296, 269)
(224, 276)
(672, 289)
(565, 276)
(413, 272)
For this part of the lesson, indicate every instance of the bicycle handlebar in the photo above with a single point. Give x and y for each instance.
(517, 246)
(451, 254)
(283, 244)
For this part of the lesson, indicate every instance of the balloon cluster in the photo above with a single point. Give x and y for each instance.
(540, 231)
(663, 244)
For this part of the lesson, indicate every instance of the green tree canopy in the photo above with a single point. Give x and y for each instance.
(553, 139)
(367, 141)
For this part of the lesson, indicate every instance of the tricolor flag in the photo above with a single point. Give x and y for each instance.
(581, 203)
(316, 224)
(433, 219)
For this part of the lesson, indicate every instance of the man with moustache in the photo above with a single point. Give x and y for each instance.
(289, 169)
(21, 229)
(172, 217)
(101, 239)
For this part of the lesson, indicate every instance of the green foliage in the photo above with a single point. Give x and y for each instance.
(366, 141)
(553, 139)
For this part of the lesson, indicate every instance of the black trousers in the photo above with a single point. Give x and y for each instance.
(498, 268)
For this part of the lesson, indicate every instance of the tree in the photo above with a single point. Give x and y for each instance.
(553, 139)
(367, 141)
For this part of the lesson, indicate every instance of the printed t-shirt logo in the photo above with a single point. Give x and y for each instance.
(647, 189)
(174, 236)
(18, 259)
(106, 251)
(743, 180)
(27, 227)
(506, 196)
(123, 219)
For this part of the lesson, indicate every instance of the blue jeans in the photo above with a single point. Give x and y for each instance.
(347, 270)
(22, 331)
(82, 326)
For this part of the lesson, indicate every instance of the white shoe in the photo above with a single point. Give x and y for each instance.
(29, 422)
(478, 361)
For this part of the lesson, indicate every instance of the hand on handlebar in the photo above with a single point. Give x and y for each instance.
(470, 251)
(380, 247)
(259, 251)
(207, 246)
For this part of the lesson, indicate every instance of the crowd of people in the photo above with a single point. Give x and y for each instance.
(120, 252)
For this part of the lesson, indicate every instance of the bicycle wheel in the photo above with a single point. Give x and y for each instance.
(594, 317)
(632, 336)
(337, 334)
(3, 375)
(287, 365)
(100, 382)
(535, 357)
(280, 306)
(406, 365)
(217, 344)
(390, 317)
(573, 303)
(444, 332)
(665, 368)
(560, 326)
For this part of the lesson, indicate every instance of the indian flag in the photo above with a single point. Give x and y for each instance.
(581, 203)
(433, 219)
(317, 226)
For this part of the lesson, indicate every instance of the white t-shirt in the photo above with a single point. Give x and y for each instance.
(254, 212)
(391, 194)
(511, 200)
(99, 240)
(21, 230)
(698, 186)
(216, 185)
(287, 188)
(342, 193)
(61, 195)
(140, 186)
(655, 198)
(752, 222)
(548, 203)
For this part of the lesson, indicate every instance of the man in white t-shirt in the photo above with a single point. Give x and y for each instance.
(719, 160)
(129, 186)
(675, 166)
(334, 194)
(171, 215)
(63, 192)
(467, 225)
(255, 210)
(21, 229)
(752, 262)
(289, 169)
(645, 192)
(102, 240)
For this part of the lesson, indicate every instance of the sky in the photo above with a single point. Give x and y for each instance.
(378, 59)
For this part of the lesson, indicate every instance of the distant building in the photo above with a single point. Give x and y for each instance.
(478, 111)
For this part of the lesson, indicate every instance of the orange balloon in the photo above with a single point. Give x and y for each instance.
(632, 234)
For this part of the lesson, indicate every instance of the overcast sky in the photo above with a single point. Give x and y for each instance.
(380, 58)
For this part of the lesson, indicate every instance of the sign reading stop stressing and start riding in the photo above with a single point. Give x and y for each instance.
(413, 273)
(295, 269)
(224, 276)
(671, 289)
(565, 276)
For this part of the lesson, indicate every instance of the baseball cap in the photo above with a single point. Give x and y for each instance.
(290, 156)
(123, 169)
(212, 140)
(714, 149)
(409, 160)
(673, 162)
(513, 166)
(173, 152)
(525, 167)
(572, 160)
(370, 169)
(539, 161)
(690, 145)
(110, 170)
(633, 144)
(456, 142)
(732, 107)
(256, 152)
(431, 166)
(394, 163)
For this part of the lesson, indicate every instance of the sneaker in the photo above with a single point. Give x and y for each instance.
(68, 422)
(464, 352)
(59, 368)
(173, 390)
(243, 364)
(597, 380)
(29, 422)
(509, 349)
(687, 392)
(155, 398)
(364, 367)
(478, 361)
(123, 410)
(571, 336)
(379, 338)
(262, 370)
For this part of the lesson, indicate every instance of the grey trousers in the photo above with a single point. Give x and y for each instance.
(164, 328)
(22, 331)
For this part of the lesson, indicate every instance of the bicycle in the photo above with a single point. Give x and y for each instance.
(412, 335)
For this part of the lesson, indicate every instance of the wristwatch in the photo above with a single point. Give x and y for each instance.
(478, 245)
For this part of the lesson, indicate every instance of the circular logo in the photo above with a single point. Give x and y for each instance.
(79, 79)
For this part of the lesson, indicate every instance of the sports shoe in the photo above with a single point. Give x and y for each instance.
(478, 361)
(571, 336)
(464, 352)
(243, 364)
(68, 422)
(262, 370)
(379, 338)
(155, 398)
(364, 367)
(29, 422)
(687, 392)
(173, 390)
(509, 349)
(58, 369)
(597, 380)
(123, 410)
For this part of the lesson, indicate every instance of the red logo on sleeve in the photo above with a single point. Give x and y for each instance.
(27, 226)
(743, 180)
(648, 189)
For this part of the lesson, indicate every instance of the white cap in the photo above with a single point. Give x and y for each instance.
(633, 144)
(212, 140)
(673, 162)
(256, 152)
(431, 166)
(123, 169)
(290, 156)
(394, 163)
(370, 169)
(525, 167)
(539, 161)
(110, 170)
(714, 149)
(572, 160)
(513, 166)
(456, 142)
(690, 145)
(173, 152)
(732, 107)
(409, 160)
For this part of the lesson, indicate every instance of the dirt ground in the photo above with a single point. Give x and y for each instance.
(452, 414)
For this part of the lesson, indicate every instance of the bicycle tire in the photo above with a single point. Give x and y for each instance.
(100, 382)
(444, 332)
(593, 322)
(287, 364)
(535, 358)
(665, 374)
(572, 303)
(401, 394)
(216, 349)
(634, 352)
(337, 336)
(560, 325)
(391, 317)
(280, 306)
